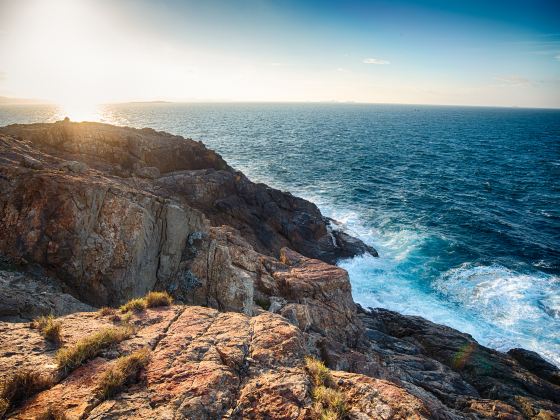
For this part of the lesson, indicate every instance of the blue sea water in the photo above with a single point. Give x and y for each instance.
(462, 203)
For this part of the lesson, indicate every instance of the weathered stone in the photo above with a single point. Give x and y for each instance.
(26, 296)
(31, 163)
(73, 166)
(150, 172)
(206, 365)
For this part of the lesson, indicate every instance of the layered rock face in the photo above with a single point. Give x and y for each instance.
(111, 209)
(92, 214)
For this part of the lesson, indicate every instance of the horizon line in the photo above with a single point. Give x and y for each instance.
(27, 101)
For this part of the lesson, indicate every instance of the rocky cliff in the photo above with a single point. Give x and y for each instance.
(95, 215)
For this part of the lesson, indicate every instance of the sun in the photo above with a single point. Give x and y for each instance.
(80, 111)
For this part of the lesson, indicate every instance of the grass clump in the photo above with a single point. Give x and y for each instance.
(155, 299)
(21, 385)
(48, 327)
(134, 305)
(320, 374)
(328, 402)
(70, 357)
(106, 311)
(124, 370)
(151, 300)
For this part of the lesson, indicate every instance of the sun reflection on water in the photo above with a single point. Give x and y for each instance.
(79, 112)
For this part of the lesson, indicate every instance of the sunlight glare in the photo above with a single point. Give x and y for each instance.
(80, 112)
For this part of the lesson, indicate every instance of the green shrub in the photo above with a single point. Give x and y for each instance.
(123, 370)
(70, 357)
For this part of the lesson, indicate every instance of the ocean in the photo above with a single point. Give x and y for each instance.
(462, 203)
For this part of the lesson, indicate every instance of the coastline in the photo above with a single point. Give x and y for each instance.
(211, 237)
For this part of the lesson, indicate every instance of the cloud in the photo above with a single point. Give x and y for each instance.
(512, 80)
(557, 57)
(375, 61)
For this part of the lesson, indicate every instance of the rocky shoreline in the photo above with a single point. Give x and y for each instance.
(94, 215)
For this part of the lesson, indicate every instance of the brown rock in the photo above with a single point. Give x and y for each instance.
(205, 365)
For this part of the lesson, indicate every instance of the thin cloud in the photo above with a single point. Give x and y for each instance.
(375, 61)
(512, 80)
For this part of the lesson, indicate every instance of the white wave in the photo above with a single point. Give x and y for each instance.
(498, 307)
(523, 309)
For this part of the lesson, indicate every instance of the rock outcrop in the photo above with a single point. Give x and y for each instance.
(203, 364)
(92, 215)
(110, 210)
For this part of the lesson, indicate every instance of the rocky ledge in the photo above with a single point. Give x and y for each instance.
(94, 215)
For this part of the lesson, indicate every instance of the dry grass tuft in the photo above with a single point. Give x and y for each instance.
(106, 311)
(124, 370)
(320, 374)
(328, 402)
(151, 300)
(125, 319)
(155, 299)
(48, 327)
(70, 357)
(135, 305)
(18, 387)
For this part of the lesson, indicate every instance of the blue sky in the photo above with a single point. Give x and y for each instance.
(431, 51)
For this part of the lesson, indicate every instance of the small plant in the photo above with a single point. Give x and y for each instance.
(125, 319)
(124, 370)
(328, 402)
(20, 386)
(320, 374)
(155, 299)
(70, 357)
(136, 305)
(48, 327)
(106, 311)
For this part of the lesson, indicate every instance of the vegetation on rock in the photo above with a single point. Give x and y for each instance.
(106, 311)
(19, 386)
(49, 327)
(151, 300)
(70, 357)
(328, 402)
(136, 305)
(124, 369)
(155, 299)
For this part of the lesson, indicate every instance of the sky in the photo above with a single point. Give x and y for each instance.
(492, 53)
